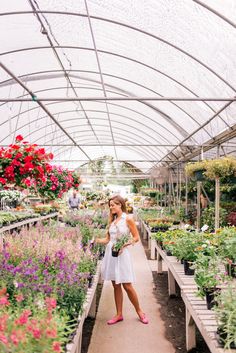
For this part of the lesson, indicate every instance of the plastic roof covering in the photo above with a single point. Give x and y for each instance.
(94, 48)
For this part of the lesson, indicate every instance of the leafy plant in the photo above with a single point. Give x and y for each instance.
(120, 242)
(226, 316)
(208, 217)
(208, 272)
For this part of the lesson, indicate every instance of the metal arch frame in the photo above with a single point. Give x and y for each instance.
(117, 128)
(56, 103)
(85, 131)
(207, 122)
(146, 161)
(129, 147)
(133, 82)
(100, 72)
(116, 55)
(40, 104)
(215, 12)
(98, 118)
(69, 13)
(52, 46)
(166, 116)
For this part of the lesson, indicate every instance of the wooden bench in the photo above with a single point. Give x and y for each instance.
(197, 313)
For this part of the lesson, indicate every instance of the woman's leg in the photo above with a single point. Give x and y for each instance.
(118, 294)
(133, 297)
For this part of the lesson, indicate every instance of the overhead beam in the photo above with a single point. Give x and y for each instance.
(11, 74)
(86, 99)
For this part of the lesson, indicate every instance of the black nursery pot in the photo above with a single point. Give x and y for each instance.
(168, 253)
(210, 296)
(114, 253)
(90, 280)
(221, 336)
(187, 270)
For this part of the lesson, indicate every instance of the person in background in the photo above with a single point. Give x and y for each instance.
(74, 201)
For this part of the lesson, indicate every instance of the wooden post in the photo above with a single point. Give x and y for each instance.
(217, 203)
(159, 263)
(190, 331)
(153, 249)
(186, 195)
(198, 205)
(165, 196)
(171, 284)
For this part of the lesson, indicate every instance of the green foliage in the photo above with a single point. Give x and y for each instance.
(208, 217)
(120, 242)
(226, 315)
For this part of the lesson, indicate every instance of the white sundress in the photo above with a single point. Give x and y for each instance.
(118, 269)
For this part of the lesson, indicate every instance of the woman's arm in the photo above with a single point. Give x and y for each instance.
(103, 240)
(133, 230)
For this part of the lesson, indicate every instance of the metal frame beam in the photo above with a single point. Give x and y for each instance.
(69, 13)
(11, 74)
(138, 98)
(138, 84)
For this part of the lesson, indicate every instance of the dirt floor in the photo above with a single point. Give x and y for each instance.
(172, 313)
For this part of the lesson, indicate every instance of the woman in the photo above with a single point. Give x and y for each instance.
(119, 269)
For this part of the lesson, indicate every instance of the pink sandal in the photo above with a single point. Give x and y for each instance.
(115, 320)
(143, 319)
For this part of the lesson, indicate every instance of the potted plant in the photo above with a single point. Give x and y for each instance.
(226, 317)
(208, 275)
(228, 253)
(121, 241)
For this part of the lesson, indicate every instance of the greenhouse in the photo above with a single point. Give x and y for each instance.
(117, 176)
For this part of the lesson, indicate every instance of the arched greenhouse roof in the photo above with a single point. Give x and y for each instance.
(146, 82)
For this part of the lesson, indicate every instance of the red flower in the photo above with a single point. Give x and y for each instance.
(3, 181)
(19, 138)
(28, 159)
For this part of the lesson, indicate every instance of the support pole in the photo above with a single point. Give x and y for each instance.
(217, 203)
(199, 183)
(186, 195)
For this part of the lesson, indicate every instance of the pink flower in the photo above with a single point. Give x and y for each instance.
(4, 339)
(51, 332)
(36, 333)
(19, 298)
(51, 303)
(4, 301)
(56, 346)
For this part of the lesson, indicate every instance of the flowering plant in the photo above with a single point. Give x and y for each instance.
(59, 181)
(22, 164)
(28, 329)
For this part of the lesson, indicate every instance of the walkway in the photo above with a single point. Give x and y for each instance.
(131, 336)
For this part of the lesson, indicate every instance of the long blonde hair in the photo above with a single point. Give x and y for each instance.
(118, 200)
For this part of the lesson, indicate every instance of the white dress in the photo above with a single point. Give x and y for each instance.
(118, 269)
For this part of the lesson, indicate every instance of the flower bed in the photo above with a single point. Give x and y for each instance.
(40, 266)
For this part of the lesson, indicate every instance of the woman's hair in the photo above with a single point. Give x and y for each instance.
(118, 200)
